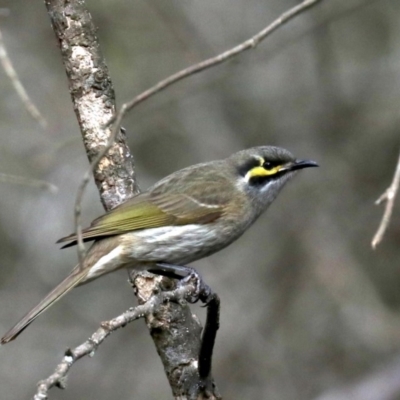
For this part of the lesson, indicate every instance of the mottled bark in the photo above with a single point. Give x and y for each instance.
(93, 98)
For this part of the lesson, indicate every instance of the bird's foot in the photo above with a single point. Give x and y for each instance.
(201, 292)
(186, 275)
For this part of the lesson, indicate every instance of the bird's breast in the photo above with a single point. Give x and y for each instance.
(178, 244)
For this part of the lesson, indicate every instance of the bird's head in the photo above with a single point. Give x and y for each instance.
(262, 172)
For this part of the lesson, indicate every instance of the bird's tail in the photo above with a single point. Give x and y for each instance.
(59, 291)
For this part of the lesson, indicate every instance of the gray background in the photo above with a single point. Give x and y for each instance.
(307, 306)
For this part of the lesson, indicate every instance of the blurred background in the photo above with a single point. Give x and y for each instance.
(308, 309)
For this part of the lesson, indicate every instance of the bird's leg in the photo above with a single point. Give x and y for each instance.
(171, 270)
(210, 300)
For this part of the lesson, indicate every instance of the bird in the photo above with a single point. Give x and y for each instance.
(186, 216)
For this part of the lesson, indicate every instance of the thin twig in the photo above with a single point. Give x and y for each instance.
(90, 346)
(213, 61)
(389, 196)
(21, 180)
(12, 74)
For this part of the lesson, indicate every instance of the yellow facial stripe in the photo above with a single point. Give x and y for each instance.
(261, 171)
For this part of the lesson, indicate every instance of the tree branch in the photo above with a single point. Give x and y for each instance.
(19, 88)
(93, 98)
(389, 196)
(213, 61)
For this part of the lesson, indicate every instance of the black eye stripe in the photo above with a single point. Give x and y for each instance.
(262, 180)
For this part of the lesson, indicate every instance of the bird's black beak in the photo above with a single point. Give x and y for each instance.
(300, 164)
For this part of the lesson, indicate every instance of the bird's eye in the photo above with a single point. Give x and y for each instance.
(268, 165)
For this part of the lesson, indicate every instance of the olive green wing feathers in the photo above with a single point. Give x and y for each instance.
(161, 206)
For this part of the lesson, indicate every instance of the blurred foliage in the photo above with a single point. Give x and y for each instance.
(306, 304)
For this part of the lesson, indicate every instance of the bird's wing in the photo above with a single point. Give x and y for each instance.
(154, 209)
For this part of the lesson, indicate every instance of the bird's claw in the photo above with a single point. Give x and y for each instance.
(201, 291)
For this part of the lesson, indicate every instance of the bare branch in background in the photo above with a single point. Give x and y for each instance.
(21, 180)
(389, 196)
(12, 74)
(213, 61)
